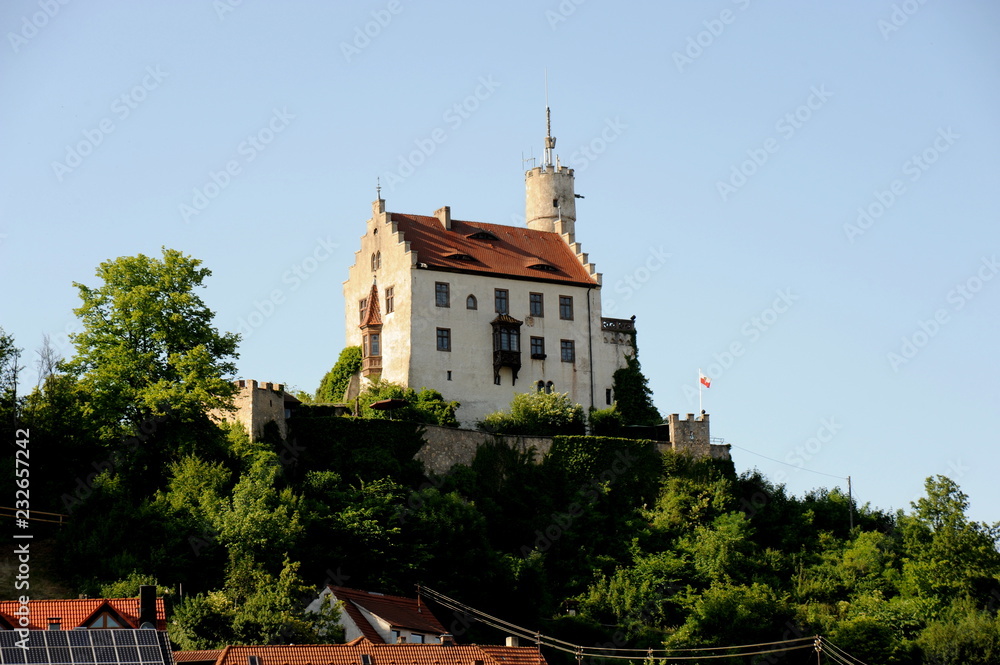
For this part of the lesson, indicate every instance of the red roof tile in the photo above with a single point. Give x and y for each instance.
(399, 612)
(205, 656)
(78, 612)
(372, 315)
(381, 654)
(513, 253)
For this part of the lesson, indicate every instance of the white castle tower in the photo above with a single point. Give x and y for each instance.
(550, 199)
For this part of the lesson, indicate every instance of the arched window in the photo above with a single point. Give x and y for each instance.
(541, 386)
(470, 302)
(376, 260)
(549, 387)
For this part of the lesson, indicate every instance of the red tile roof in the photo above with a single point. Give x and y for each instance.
(399, 612)
(78, 612)
(513, 253)
(372, 315)
(204, 656)
(381, 654)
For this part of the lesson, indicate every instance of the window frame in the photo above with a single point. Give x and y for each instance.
(471, 298)
(566, 305)
(444, 334)
(442, 288)
(505, 299)
(540, 343)
(567, 345)
(538, 312)
(390, 299)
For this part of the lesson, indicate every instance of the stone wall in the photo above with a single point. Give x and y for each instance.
(256, 405)
(448, 446)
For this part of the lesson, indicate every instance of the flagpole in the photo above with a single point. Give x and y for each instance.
(700, 386)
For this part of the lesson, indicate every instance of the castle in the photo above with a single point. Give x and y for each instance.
(481, 311)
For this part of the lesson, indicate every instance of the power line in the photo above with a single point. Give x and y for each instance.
(601, 652)
(794, 466)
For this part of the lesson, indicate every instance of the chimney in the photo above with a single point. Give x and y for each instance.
(147, 605)
(512, 641)
(444, 216)
(447, 640)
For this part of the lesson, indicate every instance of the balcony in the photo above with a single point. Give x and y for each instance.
(618, 325)
(371, 365)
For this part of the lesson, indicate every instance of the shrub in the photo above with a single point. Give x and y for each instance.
(538, 414)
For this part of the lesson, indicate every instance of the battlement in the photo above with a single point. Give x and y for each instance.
(692, 436)
(262, 385)
(257, 403)
(548, 170)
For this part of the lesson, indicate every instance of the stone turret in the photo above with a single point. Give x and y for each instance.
(550, 197)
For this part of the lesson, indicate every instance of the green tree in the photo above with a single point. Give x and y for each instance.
(427, 406)
(633, 397)
(537, 413)
(10, 369)
(148, 346)
(946, 557)
(335, 382)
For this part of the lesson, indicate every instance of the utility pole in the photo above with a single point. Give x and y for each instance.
(850, 503)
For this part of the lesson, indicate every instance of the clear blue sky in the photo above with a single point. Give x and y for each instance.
(740, 138)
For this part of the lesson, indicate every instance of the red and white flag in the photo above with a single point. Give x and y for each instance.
(705, 381)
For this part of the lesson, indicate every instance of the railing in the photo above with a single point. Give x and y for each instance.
(618, 325)
(52, 518)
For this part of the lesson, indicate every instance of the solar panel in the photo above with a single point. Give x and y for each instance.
(86, 647)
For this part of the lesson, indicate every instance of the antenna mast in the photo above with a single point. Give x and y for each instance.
(550, 141)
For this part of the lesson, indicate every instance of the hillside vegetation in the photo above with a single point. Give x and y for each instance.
(602, 542)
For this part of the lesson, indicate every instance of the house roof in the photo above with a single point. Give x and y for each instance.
(513, 251)
(381, 654)
(78, 612)
(398, 612)
(204, 656)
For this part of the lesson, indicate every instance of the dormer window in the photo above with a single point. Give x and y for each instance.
(458, 256)
(106, 620)
(479, 234)
(544, 267)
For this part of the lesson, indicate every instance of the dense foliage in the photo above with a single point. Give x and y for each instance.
(537, 413)
(334, 384)
(602, 542)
